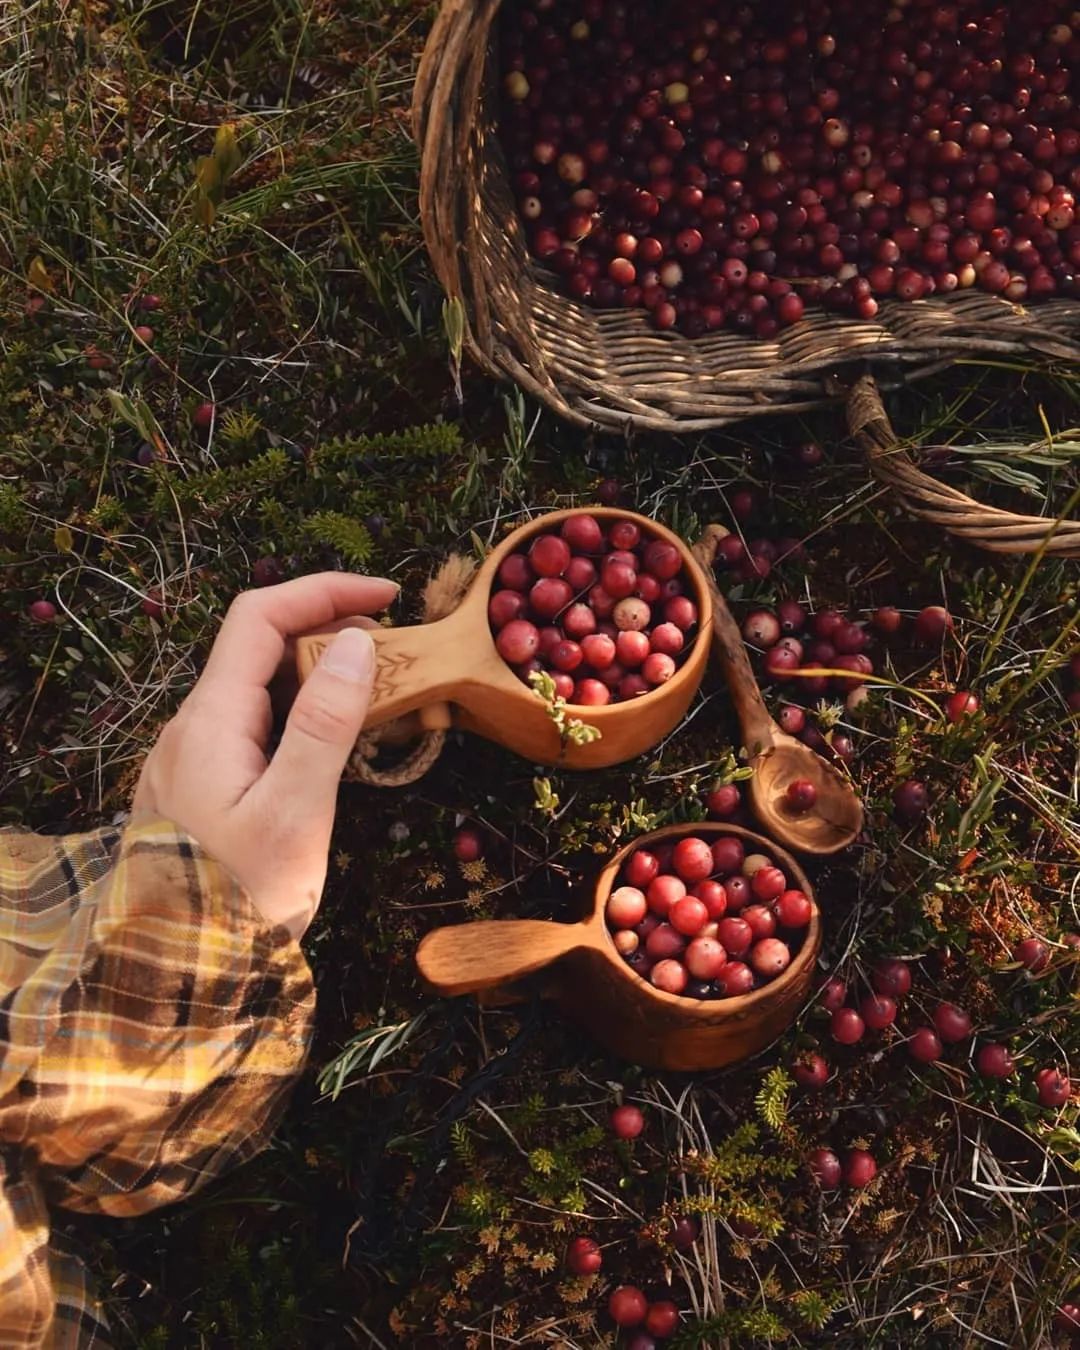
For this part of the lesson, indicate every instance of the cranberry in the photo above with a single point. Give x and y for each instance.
(583, 534)
(825, 1168)
(713, 896)
(468, 845)
(685, 1231)
(1053, 1087)
(202, 419)
(591, 694)
(518, 641)
(891, 977)
(267, 571)
(735, 936)
(728, 854)
(878, 1012)
(598, 649)
(704, 958)
(626, 907)
(801, 795)
(762, 628)
(859, 1168)
(627, 1122)
(994, 1061)
(925, 1045)
(662, 1319)
(1033, 954)
(42, 611)
(951, 1023)
(723, 802)
(910, 800)
(627, 1306)
(664, 891)
(793, 909)
(641, 867)
(681, 611)
(693, 859)
(583, 1256)
(549, 555)
(811, 1071)
(657, 668)
(688, 916)
(662, 559)
(846, 1026)
(791, 719)
(960, 705)
(833, 994)
(768, 882)
(769, 957)
(735, 978)
(669, 976)
(887, 619)
(932, 623)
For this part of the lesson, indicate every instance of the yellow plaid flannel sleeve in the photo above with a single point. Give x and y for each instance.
(150, 1027)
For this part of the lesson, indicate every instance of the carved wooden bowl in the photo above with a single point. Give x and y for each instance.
(450, 671)
(594, 985)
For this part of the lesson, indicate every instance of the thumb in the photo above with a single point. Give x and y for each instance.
(323, 725)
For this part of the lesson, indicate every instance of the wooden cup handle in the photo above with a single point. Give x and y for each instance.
(416, 669)
(471, 957)
(757, 725)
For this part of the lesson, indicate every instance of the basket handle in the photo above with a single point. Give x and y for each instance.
(987, 527)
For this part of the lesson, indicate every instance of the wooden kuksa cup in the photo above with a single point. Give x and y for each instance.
(450, 671)
(593, 984)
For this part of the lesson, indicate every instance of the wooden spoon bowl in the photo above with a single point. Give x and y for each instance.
(593, 984)
(777, 758)
(450, 671)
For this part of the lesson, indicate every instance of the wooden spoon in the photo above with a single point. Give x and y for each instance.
(777, 758)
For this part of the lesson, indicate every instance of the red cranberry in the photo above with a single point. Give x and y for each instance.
(1053, 1087)
(762, 628)
(932, 623)
(267, 571)
(627, 1306)
(994, 1061)
(591, 694)
(761, 919)
(1033, 954)
(685, 1231)
(713, 896)
(735, 936)
(663, 892)
(728, 854)
(631, 646)
(669, 976)
(734, 979)
(658, 668)
(859, 1168)
(549, 596)
(925, 1045)
(960, 705)
(811, 1071)
(42, 611)
(769, 957)
(641, 867)
(910, 800)
(583, 534)
(846, 1026)
(878, 1012)
(704, 958)
(667, 639)
(662, 1319)
(468, 845)
(627, 1122)
(518, 642)
(722, 803)
(693, 859)
(825, 1168)
(951, 1023)
(801, 795)
(598, 649)
(583, 1256)
(549, 555)
(203, 417)
(515, 573)
(768, 882)
(833, 994)
(793, 909)
(891, 977)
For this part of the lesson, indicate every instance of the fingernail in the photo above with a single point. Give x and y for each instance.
(351, 656)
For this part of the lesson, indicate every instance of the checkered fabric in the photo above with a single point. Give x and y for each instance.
(150, 1027)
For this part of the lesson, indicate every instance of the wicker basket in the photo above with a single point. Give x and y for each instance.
(609, 369)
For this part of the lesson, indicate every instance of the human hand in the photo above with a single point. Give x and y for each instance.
(269, 821)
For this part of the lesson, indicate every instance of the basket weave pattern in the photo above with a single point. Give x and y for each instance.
(610, 369)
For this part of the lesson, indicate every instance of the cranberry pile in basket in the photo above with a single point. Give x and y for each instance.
(602, 608)
(725, 164)
(706, 920)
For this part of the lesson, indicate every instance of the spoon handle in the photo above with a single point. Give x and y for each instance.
(471, 957)
(759, 729)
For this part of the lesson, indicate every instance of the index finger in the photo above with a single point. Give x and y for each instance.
(252, 640)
